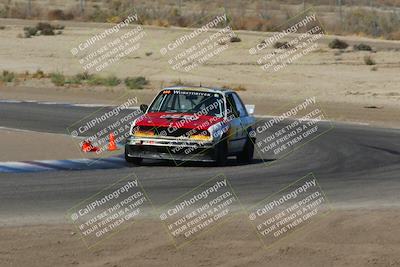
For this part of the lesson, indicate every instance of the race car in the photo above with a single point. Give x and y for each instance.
(193, 124)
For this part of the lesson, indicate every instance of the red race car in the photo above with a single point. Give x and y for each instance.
(193, 124)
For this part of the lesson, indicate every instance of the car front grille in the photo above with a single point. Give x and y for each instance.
(166, 131)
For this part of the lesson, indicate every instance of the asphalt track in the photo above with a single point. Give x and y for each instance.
(356, 166)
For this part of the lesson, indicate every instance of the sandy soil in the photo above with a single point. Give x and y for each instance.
(342, 82)
(19, 145)
(342, 238)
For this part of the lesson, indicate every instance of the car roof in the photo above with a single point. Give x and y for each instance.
(200, 89)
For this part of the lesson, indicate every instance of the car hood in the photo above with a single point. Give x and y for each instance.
(177, 120)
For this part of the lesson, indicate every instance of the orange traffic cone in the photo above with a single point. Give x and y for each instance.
(88, 147)
(112, 146)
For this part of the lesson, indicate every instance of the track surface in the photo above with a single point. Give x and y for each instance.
(355, 165)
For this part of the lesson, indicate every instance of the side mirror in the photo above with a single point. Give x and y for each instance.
(250, 109)
(143, 108)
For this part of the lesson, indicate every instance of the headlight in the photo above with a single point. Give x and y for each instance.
(217, 130)
(132, 126)
(132, 129)
(143, 133)
(203, 136)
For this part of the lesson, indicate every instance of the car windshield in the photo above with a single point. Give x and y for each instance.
(201, 103)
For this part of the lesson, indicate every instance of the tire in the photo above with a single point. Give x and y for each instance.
(136, 161)
(246, 156)
(221, 153)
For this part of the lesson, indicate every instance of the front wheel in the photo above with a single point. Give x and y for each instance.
(134, 160)
(221, 153)
(246, 156)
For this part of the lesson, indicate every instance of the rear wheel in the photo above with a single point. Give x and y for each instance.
(246, 156)
(134, 160)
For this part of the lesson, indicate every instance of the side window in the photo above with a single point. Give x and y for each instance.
(230, 104)
(239, 106)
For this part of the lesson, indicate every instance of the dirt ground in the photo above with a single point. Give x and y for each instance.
(341, 238)
(346, 88)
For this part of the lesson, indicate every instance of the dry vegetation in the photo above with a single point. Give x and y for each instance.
(377, 18)
(80, 79)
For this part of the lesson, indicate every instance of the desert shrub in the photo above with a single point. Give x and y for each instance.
(58, 14)
(58, 27)
(4, 11)
(73, 80)
(281, 45)
(374, 68)
(7, 76)
(116, 7)
(45, 28)
(178, 83)
(136, 82)
(254, 23)
(111, 80)
(17, 10)
(43, 25)
(338, 44)
(2, 27)
(57, 79)
(84, 76)
(47, 31)
(148, 54)
(362, 47)
(394, 35)
(235, 39)
(160, 23)
(177, 19)
(114, 19)
(221, 42)
(257, 15)
(371, 22)
(369, 61)
(98, 15)
(39, 74)
(23, 76)
(30, 31)
(239, 88)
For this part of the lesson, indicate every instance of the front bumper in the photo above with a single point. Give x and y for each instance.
(170, 149)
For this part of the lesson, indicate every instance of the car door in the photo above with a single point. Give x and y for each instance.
(246, 120)
(236, 136)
